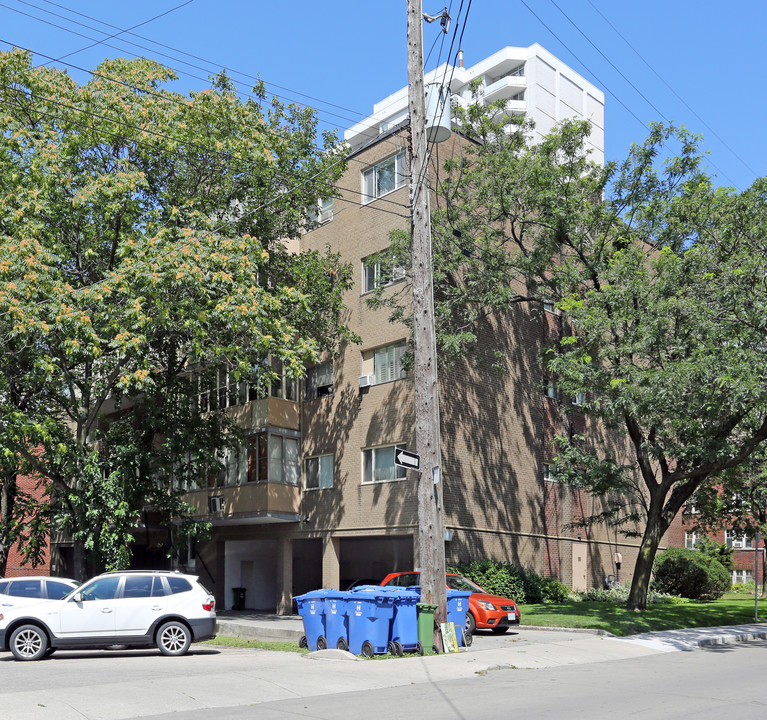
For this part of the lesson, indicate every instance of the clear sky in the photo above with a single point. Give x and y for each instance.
(701, 64)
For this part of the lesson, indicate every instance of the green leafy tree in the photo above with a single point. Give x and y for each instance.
(735, 500)
(142, 248)
(660, 279)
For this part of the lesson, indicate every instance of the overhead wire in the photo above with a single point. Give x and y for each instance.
(620, 72)
(164, 55)
(122, 32)
(674, 92)
(167, 97)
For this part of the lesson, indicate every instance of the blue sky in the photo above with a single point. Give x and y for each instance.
(694, 63)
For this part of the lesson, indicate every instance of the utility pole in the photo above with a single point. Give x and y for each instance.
(431, 534)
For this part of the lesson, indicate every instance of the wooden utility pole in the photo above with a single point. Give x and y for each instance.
(431, 534)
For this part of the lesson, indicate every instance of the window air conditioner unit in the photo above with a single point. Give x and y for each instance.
(737, 543)
(216, 503)
(325, 216)
(367, 381)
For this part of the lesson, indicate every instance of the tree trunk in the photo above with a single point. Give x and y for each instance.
(640, 583)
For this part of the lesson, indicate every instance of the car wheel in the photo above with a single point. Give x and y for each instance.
(173, 638)
(500, 630)
(28, 642)
(471, 624)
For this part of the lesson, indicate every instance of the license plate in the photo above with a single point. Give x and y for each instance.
(512, 617)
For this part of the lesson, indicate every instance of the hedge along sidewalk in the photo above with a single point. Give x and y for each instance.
(616, 619)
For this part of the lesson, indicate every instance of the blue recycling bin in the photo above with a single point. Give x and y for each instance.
(370, 609)
(457, 607)
(337, 619)
(404, 627)
(311, 608)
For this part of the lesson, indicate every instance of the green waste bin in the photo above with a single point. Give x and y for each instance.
(239, 598)
(425, 626)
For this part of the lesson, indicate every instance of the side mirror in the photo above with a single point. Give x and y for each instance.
(77, 597)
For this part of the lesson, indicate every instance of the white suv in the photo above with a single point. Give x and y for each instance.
(135, 609)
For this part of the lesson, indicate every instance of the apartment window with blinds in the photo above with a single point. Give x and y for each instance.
(731, 539)
(387, 363)
(319, 381)
(319, 472)
(274, 458)
(378, 464)
(376, 274)
(383, 178)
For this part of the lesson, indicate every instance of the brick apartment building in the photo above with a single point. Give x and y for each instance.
(314, 499)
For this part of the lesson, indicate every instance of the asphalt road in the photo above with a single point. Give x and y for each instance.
(230, 684)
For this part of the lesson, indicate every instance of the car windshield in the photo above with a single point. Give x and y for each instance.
(458, 582)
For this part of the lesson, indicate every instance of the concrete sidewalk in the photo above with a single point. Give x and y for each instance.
(531, 647)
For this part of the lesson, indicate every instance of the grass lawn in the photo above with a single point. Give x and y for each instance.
(614, 618)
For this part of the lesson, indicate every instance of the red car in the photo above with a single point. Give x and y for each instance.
(486, 611)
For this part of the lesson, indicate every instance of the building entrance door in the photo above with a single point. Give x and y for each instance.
(580, 567)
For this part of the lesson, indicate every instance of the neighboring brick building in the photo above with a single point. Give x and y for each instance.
(14, 567)
(682, 534)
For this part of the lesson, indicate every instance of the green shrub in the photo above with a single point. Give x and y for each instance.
(691, 574)
(716, 550)
(619, 593)
(513, 582)
(495, 578)
(747, 588)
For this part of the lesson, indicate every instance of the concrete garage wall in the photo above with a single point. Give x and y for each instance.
(252, 564)
(374, 558)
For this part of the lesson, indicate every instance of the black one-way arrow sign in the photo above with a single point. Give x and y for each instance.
(407, 459)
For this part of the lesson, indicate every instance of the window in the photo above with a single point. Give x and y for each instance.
(26, 588)
(273, 458)
(383, 178)
(549, 472)
(138, 586)
(323, 212)
(405, 580)
(376, 275)
(178, 585)
(552, 391)
(690, 540)
(738, 541)
(579, 399)
(101, 589)
(742, 576)
(217, 389)
(326, 209)
(387, 363)
(234, 468)
(378, 464)
(283, 386)
(319, 472)
(57, 590)
(319, 381)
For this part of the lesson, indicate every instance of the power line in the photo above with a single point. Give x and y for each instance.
(638, 91)
(167, 97)
(674, 92)
(143, 47)
(201, 59)
(121, 32)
